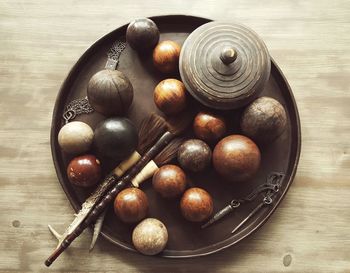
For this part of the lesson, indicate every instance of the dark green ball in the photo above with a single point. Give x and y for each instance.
(116, 138)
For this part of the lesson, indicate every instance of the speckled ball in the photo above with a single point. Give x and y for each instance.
(194, 155)
(264, 120)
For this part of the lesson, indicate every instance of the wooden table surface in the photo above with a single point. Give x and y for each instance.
(41, 40)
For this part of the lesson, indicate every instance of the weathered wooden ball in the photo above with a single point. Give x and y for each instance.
(236, 158)
(194, 155)
(209, 127)
(110, 92)
(196, 205)
(264, 119)
(75, 137)
(166, 56)
(169, 181)
(150, 236)
(142, 34)
(170, 96)
(115, 138)
(131, 205)
(84, 171)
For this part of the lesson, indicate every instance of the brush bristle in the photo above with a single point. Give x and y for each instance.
(179, 123)
(169, 152)
(151, 129)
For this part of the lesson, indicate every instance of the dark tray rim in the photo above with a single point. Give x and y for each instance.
(59, 104)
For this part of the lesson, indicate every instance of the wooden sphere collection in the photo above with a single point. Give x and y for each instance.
(170, 96)
(196, 205)
(142, 34)
(166, 56)
(169, 181)
(194, 155)
(150, 236)
(115, 138)
(264, 119)
(131, 205)
(209, 127)
(84, 171)
(110, 92)
(75, 137)
(236, 158)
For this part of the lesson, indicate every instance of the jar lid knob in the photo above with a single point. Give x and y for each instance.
(228, 55)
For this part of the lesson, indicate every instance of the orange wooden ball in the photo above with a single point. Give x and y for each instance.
(209, 127)
(166, 56)
(170, 96)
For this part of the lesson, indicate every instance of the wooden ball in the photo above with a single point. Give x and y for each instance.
(170, 96)
(169, 181)
(236, 158)
(110, 92)
(75, 137)
(194, 155)
(84, 171)
(116, 138)
(150, 236)
(166, 56)
(142, 34)
(209, 127)
(264, 120)
(131, 205)
(196, 205)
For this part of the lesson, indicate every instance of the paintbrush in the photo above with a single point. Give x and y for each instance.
(164, 157)
(151, 129)
(176, 126)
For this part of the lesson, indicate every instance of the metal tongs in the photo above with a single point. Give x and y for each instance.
(270, 189)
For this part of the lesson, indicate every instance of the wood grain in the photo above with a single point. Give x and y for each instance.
(41, 40)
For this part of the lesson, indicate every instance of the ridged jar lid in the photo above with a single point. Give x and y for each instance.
(224, 65)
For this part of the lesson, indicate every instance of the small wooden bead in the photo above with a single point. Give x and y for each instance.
(131, 205)
(196, 205)
(209, 127)
(84, 171)
(166, 56)
(170, 96)
(169, 181)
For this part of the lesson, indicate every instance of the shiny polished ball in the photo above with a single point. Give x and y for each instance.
(150, 236)
(84, 171)
(142, 34)
(236, 158)
(196, 205)
(115, 138)
(170, 96)
(75, 137)
(166, 56)
(131, 205)
(209, 127)
(264, 120)
(169, 181)
(194, 155)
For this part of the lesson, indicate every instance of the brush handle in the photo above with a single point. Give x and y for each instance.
(151, 153)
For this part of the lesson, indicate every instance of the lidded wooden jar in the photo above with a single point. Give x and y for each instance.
(224, 65)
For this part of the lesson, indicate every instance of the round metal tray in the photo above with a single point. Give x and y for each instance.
(185, 239)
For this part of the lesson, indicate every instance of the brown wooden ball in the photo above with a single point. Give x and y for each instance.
(84, 171)
(209, 127)
(110, 92)
(194, 155)
(142, 34)
(131, 205)
(169, 181)
(170, 96)
(236, 158)
(196, 205)
(264, 120)
(166, 56)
